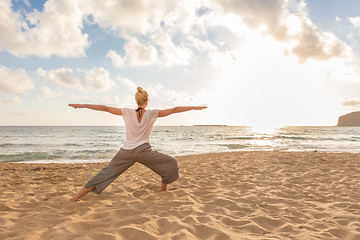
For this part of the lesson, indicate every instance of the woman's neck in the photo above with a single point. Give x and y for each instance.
(140, 109)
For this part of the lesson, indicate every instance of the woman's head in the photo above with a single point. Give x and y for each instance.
(141, 96)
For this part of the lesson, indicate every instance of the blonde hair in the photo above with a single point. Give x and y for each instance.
(141, 96)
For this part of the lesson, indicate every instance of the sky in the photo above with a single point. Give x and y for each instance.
(265, 63)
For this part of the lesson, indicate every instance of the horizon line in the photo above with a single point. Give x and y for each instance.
(195, 125)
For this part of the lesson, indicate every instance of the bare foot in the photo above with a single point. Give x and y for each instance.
(81, 193)
(163, 187)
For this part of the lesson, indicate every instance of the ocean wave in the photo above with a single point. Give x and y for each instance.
(353, 139)
(57, 155)
(29, 156)
(19, 145)
(6, 145)
(241, 138)
(235, 146)
(72, 145)
(34, 145)
(289, 137)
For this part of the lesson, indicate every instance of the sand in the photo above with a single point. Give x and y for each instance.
(237, 195)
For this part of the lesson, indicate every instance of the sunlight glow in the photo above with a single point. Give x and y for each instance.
(260, 86)
(265, 129)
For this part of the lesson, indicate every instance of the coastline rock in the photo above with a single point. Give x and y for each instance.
(350, 119)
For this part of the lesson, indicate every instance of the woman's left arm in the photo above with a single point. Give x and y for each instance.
(167, 112)
(112, 110)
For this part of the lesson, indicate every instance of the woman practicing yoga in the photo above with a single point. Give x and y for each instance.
(136, 147)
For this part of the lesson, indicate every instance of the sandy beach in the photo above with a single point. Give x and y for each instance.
(234, 195)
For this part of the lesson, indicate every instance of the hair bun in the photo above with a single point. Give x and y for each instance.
(140, 89)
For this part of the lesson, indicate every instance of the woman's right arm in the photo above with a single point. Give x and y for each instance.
(116, 111)
(167, 112)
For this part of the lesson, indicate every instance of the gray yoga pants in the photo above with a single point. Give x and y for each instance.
(162, 164)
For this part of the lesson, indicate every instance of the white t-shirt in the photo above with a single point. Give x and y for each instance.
(138, 133)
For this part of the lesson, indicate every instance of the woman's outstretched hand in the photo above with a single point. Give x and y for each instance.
(76, 105)
(200, 108)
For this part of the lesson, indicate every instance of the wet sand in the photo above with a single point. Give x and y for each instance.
(236, 195)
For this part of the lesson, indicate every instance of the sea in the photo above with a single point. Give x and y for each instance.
(74, 144)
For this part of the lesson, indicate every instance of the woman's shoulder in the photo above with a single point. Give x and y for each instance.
(153, 113)
(126, 110)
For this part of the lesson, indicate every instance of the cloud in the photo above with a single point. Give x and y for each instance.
(173, 54)
(112, 101)
(98, 79)
(354, 102)
(27, 3)
(162, 97)
(337, 19)
(166, 33)
(94, 79)
(169, 96)
(319, 46)
(78, 98)
(48, 93)
(128, 83)
(135, 16)
(136, 54)
(180, 34)
(355, 21)
(152, 29)
(10, 27)
(57, 30)
(11, 100)
(274, 18)
(201, 45)
(146, 17)
(14, 82)
(61, 76)
(163, 53)
(117, 60)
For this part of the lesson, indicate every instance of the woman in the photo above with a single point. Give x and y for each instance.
(136, 147)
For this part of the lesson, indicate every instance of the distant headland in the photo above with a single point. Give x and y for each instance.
(350, 119)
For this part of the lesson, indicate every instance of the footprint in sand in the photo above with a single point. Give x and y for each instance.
(139, 193)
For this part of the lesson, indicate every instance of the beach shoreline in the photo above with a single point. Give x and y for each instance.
(105, 161)
(229, 195)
